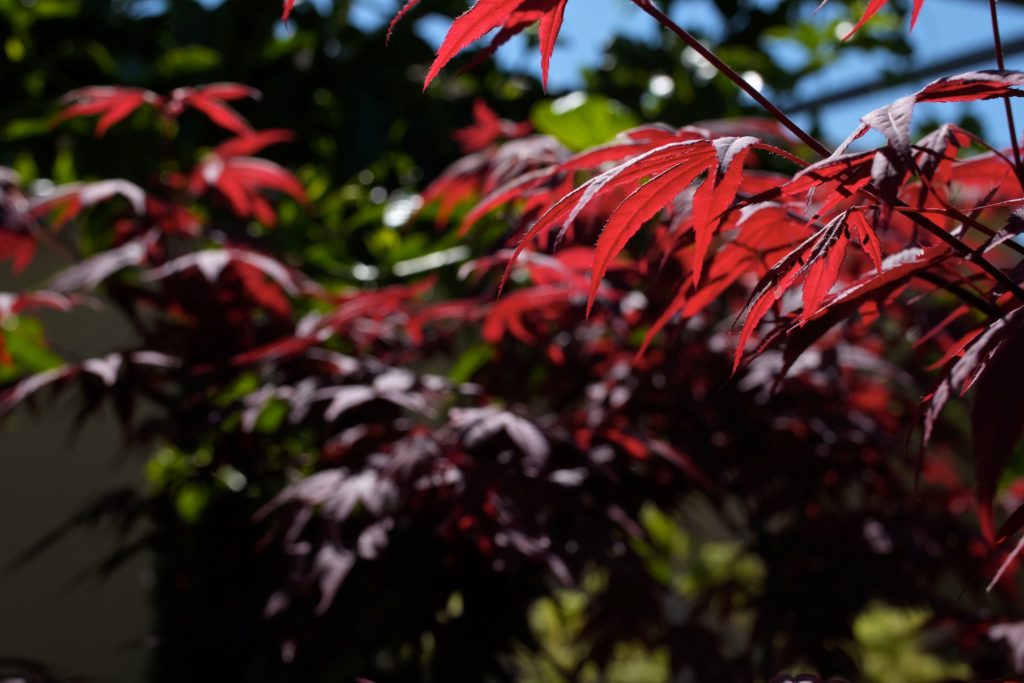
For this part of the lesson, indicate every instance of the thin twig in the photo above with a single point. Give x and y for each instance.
(1001, 63)
(727, 71)
(1006, 564)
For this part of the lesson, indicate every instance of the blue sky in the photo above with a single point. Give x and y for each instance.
(945, 28)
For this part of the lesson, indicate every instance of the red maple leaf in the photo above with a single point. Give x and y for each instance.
(872, 9)
(115, 104)
(510, 16)
(112, 104)
(243, 179)
(487, 129)
(212, 100)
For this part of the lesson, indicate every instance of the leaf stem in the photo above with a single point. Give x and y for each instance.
(727, 71)
(997, 42)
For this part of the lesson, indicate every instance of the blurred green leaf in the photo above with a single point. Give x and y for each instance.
(470, 362)
(580, 120)
(272, 417)
(25, 342)
(24, 128)
(56, 9)
(191, 501)
(188, 59)
(892, 650)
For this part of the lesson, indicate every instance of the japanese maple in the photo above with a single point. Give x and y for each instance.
(705, 321)
(889, 189)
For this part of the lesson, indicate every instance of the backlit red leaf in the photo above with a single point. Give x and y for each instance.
(873, 8)
(511, 16)
(112, 104)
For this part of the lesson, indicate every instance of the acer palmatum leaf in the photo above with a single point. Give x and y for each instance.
(251, 142)
(18, 247)
(654, 179)
(111, 104)
(545, 186)
(718, 191)
(554, 180)
(1013, 227)
(366, 308)
(13, 304)
(114, 104)
(763, 234)
(938, 150)
(243, 180)
(996, 422)
(17, 303)
(212, 101)
(771, 288)
(960, 375)
(462, 311)
(821, 270)
(507, 315)
(991, 364)
(567, 267)
(510, 16)
(104, 369)
(676, 164)
(24, 389)
(212, 262)
(872, 9)
(800, 332)
(503, 172)
(69, 200)
(480, 425)
(342, 399)
(955, 349)
(836, 178)
(986, 178)
(893, 120)
(18, 228)
(861, 297)
(487, 129)
(403, 10)
(91, 272)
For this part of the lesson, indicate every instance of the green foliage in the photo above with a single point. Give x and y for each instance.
(582, 120)
(892, 649)
(367, 141)
(25, 342)
(564, 655)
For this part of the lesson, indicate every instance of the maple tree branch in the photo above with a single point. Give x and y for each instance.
(929, 226)
(1000, 62)
(727, 71)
